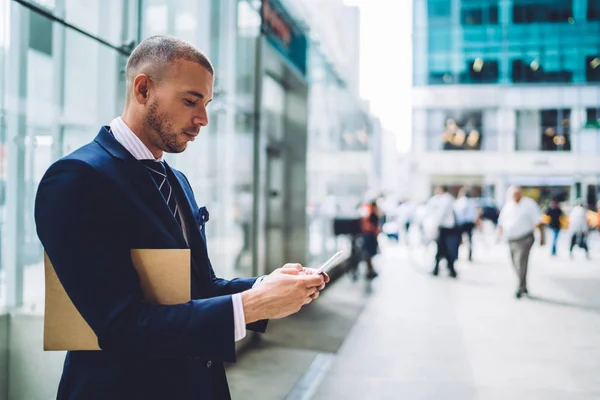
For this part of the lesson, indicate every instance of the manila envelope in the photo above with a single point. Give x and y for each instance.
(164, 277)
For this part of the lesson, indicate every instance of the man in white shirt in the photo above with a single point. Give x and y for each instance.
(579, 227)
(467, 213)
(441, 209)
(518, 219)
(404, 216)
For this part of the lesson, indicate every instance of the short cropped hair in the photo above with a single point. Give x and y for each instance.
(155, 53)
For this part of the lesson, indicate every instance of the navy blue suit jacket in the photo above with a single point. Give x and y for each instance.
(94, 206)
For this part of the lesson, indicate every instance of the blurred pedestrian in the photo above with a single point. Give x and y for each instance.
(518, 219)
(467, 213)
(579, 227)
(441, 207)
(371, 228)
(554, 213)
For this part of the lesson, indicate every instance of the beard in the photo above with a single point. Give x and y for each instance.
(159, 122)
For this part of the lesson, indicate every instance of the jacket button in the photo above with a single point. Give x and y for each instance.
(208, 364)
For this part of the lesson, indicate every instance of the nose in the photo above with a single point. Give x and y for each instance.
(201, 119)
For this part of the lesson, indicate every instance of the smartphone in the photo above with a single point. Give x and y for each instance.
(333, 261)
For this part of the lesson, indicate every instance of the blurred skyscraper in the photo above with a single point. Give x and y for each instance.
(507, 92)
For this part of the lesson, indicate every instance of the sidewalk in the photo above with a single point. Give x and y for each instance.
(420, 337)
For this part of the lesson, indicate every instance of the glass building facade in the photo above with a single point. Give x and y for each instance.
(507, 92)
(506, 42)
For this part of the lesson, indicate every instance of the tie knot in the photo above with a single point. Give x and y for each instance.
(155, 166)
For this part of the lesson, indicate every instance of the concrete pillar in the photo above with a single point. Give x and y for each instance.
(507, 127)
(577, 123)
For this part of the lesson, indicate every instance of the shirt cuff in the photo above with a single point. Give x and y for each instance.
(239, 321)
(258, 281)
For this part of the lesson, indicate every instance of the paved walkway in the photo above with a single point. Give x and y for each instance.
(420, 337)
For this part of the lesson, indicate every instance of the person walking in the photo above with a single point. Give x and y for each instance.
(518, 219)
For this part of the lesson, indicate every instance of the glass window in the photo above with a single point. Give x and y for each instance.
(66, 85)
(555, 130)
(455, 130)
(479, 12)
(593, 10)
(533, 69)
(100, 18)
(438, 8)
(592, 68)
(40, 33)
(439, 40)
(481, 70)
(530, 11)
(592, 119)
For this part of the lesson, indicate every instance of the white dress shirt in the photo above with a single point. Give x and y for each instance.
(519, 219)
(466, 210)
(441, 208)
(132, 143)
(578, 220)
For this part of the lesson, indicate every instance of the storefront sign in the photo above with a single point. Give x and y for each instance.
(283, 33)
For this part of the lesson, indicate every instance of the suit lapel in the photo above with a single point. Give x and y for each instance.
(141, 181)
(186, 202)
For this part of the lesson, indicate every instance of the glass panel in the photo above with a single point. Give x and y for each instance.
(456, 130)
(248, 25)
(67, 86)
(528, 11)
(101, 18)
(5, 27)
(593, 10)
(555, 130)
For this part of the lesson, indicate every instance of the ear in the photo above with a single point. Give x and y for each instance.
(141, 88)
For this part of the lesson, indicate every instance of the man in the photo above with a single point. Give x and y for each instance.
(405, 213)
(517, 222)
(555, 213)
(116, 194)
(578, 224)
(467, 213)
(371, 228)
(441, 210)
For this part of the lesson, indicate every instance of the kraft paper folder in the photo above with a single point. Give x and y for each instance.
(165, 279)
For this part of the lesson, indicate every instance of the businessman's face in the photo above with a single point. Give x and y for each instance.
(177, 110)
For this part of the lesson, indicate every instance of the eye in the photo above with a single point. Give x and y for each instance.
(189, 103)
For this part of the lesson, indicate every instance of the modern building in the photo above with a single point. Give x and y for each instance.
(279, 102)
(507, 92)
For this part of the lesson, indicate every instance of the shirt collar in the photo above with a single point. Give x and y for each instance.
(132, 143)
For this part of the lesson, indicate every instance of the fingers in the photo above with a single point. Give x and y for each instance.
(313, 280)
(322, 286)
(290, 271)
(315, 295)
(294, 266)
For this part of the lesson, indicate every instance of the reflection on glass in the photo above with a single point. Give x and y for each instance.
(462, 130)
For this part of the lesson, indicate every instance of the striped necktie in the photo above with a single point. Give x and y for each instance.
(158, 171)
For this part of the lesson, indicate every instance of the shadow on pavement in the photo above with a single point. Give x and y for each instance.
(565, 303)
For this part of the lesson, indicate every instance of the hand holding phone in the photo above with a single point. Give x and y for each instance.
(333, 261)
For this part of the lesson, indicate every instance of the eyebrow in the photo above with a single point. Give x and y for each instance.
(194, 93)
